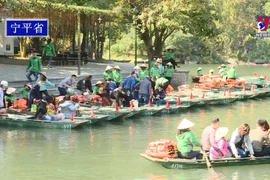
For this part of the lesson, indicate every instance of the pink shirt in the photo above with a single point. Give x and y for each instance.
(222, 146)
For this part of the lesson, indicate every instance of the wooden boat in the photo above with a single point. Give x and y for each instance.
(200, 164)
(221, 100)
(23, 121)
(170, 110)
(150, 111)
(92, 120)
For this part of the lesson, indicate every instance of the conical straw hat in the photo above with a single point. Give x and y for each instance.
(143, 65)
(199, 68)
(99, 82)
(185, 124)
(221, 132)
(10, 90)
(117, 67)
(137, 67)
(169, 64)
(108, 68)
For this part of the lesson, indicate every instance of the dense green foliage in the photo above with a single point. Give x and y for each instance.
(201, 31)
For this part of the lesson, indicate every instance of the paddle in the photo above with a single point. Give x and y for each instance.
(206, 159)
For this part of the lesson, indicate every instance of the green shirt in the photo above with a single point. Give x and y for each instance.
(186, 141)
(49, 50)
(11, 98)
(160, 81)
(224, 72)
(34, 64)
(199, 73)
(24, 92)
(107, 75)
(143, 74)
(95, 90)
(169, 72)
(117, 76)
(231, 73)
(155, 72)
(262, 81)
(169, 55)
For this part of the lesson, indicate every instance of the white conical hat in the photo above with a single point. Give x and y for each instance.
(10, 90)
(221, 132)
(169, 64)
(143, 65)
(219, 67)
(185, 124)
(99, 82)
(261, 77)
(117, 67)
(137, 67)
(211, 70)
(108, 68)
(199, 68)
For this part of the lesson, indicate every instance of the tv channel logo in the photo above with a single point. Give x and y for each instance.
(262, 26)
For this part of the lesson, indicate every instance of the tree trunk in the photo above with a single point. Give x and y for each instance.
(23, 41)
(73, 41)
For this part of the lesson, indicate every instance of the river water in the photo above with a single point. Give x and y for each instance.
(110, 150)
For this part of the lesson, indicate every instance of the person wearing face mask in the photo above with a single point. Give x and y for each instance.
(34, 66)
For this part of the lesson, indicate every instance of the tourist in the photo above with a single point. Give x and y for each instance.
(261, 82)
(97, 87)
(65, 84)
(43, 82)
(259, 138)
(145, 90)
(34, 95)
(108, 73)
(199, 72)
(221, 144)
(85, 84)
(170, 56)
(110, 85)
(160, 66)
(120, 97)
(208, 137)
(231, 74)
(186, 140)
(25, 91)
(69, 107)
(3, 87)
(49, 52)
(159, 95)
(41, 108)
(34, 66)
(10, 98)
(238, 141)
(163, 82)
(211, 73)
(143, 72)
(169, 71)
(155, 71)
(117, 75)
(129, 83)
(136, 69)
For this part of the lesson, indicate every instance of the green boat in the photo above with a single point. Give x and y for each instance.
(22, 121)
(178, 163)
(112, 115)
(92, 120)
(150, 111)
(170, 110)
(241, 96)
(189, 102)
(221, 100)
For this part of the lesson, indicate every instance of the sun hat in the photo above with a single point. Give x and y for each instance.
(222, 65)
(43, 73)
(199, 68)
(211, 70)
(143, 66)
(4, 83)
(10, 90)
(261, 77)
(117, 67)
(185, 124)
(221, 132)
(108, 68)
(99, 82)
(169, 64)
(219, 67)
(137, 67)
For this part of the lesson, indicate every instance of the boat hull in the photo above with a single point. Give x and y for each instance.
(201, 164)
(92, 120)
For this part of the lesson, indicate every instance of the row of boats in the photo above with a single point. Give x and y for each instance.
(91, 115)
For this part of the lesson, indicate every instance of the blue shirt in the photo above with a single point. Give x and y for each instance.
(129, 83)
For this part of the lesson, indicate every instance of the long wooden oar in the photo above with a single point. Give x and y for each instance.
(206, 159)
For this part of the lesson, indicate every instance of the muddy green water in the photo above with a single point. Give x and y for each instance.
(111, 150)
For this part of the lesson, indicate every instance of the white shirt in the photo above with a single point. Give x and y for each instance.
(236, 138)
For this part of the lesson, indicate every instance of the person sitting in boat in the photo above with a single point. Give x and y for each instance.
(3, 87)
(25, 91)
(10, 97)
(223, 70)
(239, 139)
(163, 82)
(186, 140)
(259, 138)
(143, 72)
(155, 71)
(97, 86)
(41, 109)
(43, 82)
(169, 71)
(199, 72)
(117, 75)
(211, 73)
(219, 70)
(221, 144)
(208, 136)
(85, 85)
(231, 74)
(145, 91)
(159, 95)
(261, 82)
(108, 73)
(69, 107)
